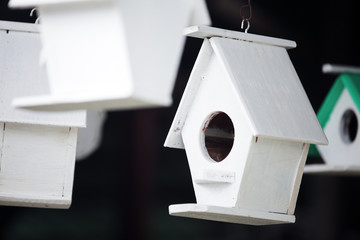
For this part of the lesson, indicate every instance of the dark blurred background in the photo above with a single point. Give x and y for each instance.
(122, 191)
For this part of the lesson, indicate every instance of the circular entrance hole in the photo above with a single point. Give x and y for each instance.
(349, 126)
(219, 136)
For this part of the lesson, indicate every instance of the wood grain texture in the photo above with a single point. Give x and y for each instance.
(37, 165)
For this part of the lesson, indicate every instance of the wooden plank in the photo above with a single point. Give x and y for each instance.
(37, 165)
(230, 215)
(297, 180)
(208, 32)
(17, 26)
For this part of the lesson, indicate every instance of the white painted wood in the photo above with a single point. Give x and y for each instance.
(17, 26)
(21, 75)
(297, 180)
(37, 165)
(270, 89)
(270, 175)
(256, 85)
(209, 32)
(32, 3)
(242, 216)
(89, 138)
(37, 149)
(199, 13)
(174, 139)
(119, 68)
(212, 97)
(336, 68)
(327, 169)
(215, 176)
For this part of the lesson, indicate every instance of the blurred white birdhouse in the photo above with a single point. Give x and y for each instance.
(111, 54)
(37, 149)
(89, 138)
(339, 116)
(246, 125)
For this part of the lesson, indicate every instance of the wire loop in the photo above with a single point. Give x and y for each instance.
(246, 15)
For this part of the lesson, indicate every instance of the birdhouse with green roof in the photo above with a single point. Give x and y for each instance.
(339, 116)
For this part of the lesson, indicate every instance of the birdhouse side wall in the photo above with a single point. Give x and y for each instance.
(343, 138)
(85, 50)
(216, 182)
(37, 165)
(155, 41)
(21, 75)
(270, 175)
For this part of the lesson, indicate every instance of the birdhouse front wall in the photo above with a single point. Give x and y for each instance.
(272, 175)
(342, 130)
(85, 49)
(37, 165)
(216, 181)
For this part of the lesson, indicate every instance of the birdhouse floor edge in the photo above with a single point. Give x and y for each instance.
(345, 170)
(230, 215)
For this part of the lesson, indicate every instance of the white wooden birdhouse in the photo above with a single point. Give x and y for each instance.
(37, 149)
(111, 54)
(246, 125)
(339, 116)
(89, 138)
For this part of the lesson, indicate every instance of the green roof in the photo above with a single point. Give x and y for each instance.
(351, 82)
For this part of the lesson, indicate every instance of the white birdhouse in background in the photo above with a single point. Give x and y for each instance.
(111, 54)
(246, 125)
(37, 149)
(339, 116)
(89, 138)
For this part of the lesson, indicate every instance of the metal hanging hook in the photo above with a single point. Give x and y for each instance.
(246, 15)
(247, 25)
(37, 21)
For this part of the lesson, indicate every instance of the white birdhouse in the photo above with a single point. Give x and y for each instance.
(339, 116)
(111, 54)
(246, 125)
(37, 149)
(89, 138)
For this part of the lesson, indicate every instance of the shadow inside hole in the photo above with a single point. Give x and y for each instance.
(349, 126)
(219, 136)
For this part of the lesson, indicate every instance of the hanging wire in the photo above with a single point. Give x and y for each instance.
(246, 15)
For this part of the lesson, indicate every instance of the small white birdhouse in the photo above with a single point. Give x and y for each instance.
(246, 125)
(111, 54)
(89, 138)
(37, 149)
(339, 116)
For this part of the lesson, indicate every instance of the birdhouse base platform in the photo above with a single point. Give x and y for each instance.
(325, 169)
(76, 102)
(230, 215)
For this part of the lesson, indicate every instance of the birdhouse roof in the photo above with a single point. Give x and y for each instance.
(350, 81)
(264, 79)
(21, 75)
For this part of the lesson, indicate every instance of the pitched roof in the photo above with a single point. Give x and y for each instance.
(268, 86)
(350, 81)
